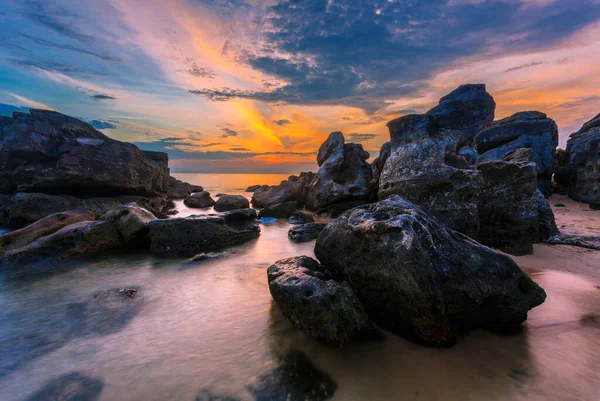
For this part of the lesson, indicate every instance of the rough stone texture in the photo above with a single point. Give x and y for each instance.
(199, 200)
(49, 152)
(421, 279)
(177, 189)
(344, 174)
(469, 154)
(46, 226)
(253, 188)
(294, 189)
(279, 210)
(582, 173)
(205, 233)
(377, 168)
(231, 202)
(508, 206)
(131, 222)
(422, 170)
(26, 208)
(72, 386)
(74, 241)
(522, 155)
(305, 232)
(300, 217)
(546, 222)
(319, 306)
(529, 129)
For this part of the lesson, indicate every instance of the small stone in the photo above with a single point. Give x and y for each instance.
(129, 292)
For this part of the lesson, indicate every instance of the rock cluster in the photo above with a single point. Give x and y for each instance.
(294, 189)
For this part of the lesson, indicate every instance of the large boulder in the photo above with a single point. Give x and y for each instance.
(41, 228)
(581, 175)
(529, 129)
(279, 210)
(177, 189)
(74, 241)
(294, 189)
(377, 167)
(305, 232)
(318, 305)
(344, 174)
(131, 222)
(423, 170)
(207, 233)
(49, 152)
(231, 202)
(199, 200)
(419, 278)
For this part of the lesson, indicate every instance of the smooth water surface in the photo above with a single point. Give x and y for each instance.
(213, 325)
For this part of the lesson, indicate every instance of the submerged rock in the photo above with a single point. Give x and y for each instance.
(319, 306)
(131, 222)
(421, 279)
(300, 217)
(305, 232)
(72, 386)
(231, 202)
(253, 188)
(279, 210)
(199, 200)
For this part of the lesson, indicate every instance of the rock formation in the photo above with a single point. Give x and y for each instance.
(131, 222)
(231, 202)
(300, 217)
(305, 232)
(279, 210)
(199, 200)
(294, 189)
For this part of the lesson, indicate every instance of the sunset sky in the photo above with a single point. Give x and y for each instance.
(256, 86)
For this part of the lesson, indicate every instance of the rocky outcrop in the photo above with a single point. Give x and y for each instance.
(199, 200)
(205, 233)
(301, 217)
(321, 307)
(377, 168)
(49, 152)
(344, 174)
(294, 189)
(177, 189)
(231, 202)
(581, 175)
(131, 222)
(546, 223)
(529, 129)
(279, 210)
(422, 169)
(305, 232)
(421, 279)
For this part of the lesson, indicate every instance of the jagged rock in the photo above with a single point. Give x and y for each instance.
(318, 305)
(469, 154)
(305, 232)
(72, 386)
(300, 217)
(279, 210)
(41, 228)
(522, 155)
(344, 174)
(131, 222)
(253, 188)
(231, 202)
(421, 279)
(74, 241)
(423, 171)
(177, 189)
(205, 233)
(529, 129)
(377, 167)
(582, 173)
(199, 200)
(546, 222)
(333, 211)
(294, 189)
(46, 151)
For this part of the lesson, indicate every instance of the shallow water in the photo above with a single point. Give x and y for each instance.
(213, 326)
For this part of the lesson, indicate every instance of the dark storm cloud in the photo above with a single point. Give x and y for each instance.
(361, 53)
(282, 122)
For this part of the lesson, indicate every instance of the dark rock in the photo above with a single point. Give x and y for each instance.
(295, 379)
(220, 194)
(344, 174)
(469, 154)
(279, 210)
(131, 222)
(421, 279)
(333, 211)
(546, 222)
(41, 228)
(206, 395)
(595, 206)
(203, 257)
(231, 202)
(300, 217)
(377, 168)
(199, 200)
(305, 232)
(72, 386)
(253, 188)
(177, 189)
(49, 152)
(196, 188)
(294, 189)
(319, 306)
(560, 205)
(522, 155)
(530, 129)
(205, 233)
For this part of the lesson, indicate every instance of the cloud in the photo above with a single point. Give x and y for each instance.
(355, 137)
(50, 44)
(31, 103)
(208, 145)
(528, 65)
(102, 96)
(198, 71)
(54, 66)
(102, 124)
(228, 132)
(282, 122)
(239, 149)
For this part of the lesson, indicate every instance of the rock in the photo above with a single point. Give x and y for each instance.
(131, 222)
(177, 189)
(344, 174)
(522, 155)
(300, 217)
(253, 188)
(199, 200)
(305, 232)
(560, 205)
(422, 170)
(203, 257)
(595, 206)
(333, 211)
(294, 189)
(318, 305)
(279, 210)
(72, 386)
(546, 222)
(530, 129)
(231, 202)
(41, 228)
(469, 154)
(74, 241)
(46, 151)
(377, 168)
(205, 233)
(207, 395)
(196, 188)
(220, 194)
(294, 379)
(421, 279)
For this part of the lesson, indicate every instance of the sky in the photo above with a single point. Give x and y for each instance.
(255, 86)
